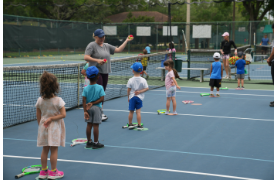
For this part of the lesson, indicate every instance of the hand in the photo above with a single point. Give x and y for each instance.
(86, 115)
(236, 53)
(137, 93)
(178, 87)
(100, 61)
(88, 106)
(129, 39)
(222, 53)
(47, 122)
(268, 62)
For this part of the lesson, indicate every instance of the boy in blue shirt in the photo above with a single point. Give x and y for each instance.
(216, 73)
(92, 98)
(265, 41)
(148, 50)
(240, 64)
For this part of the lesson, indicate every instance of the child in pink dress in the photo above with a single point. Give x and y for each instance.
(50, 112)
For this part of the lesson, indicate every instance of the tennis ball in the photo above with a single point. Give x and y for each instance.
(27, 60)
(105, 60)
(64, 60)
(130, 37)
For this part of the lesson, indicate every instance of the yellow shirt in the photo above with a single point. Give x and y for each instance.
(144, 61)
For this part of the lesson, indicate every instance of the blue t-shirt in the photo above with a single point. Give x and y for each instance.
(240, 66)
(216, 70)
(93, 93)
(148, 49)
(265, 41)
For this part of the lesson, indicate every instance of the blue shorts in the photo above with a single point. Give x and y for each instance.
(135, 103)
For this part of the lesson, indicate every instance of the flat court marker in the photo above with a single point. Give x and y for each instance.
(204, 94)
(187, 102)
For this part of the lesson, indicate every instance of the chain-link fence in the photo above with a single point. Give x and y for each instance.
(35, 37)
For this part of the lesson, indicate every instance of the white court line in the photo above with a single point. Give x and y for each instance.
(220, 93)
(196, 115)
(134, 166)
(27, 64)
(18, 105)
(229, 88)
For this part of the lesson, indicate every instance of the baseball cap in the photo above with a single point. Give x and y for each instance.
(240, 54)
(92, 72)
(99, 33)
(225, 34)
(137, 67)
(216, 55)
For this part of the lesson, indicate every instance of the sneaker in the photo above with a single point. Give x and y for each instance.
(217, 95)
(212, 95)
(238, 87)
(167, 112)
(271, 105)
(175, 112)
(140, 127)
(242, 87)
(147, 77)
(225, 77)
(89, 144)
(131, 126)
(272, 102)
(104, 117)
(97, 145)
(43, 174)
(55, 175)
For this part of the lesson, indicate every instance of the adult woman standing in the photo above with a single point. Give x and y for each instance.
(97, 51)
(225, 50)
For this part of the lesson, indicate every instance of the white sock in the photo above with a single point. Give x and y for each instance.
(96, 142)
(217, 92)
(211, 92)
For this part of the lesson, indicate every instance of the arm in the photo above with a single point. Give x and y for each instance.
(271, 57)
(174, 81)
(83, 72)
(90, 59)
(235, 47)
(86, 115)
(141, 91)
(121, 48)
(211, 70)
(221, 48)
(57, 117)
(38, 115)
(98, 101)
(128, 93)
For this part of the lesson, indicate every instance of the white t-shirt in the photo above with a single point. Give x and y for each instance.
(136, 84)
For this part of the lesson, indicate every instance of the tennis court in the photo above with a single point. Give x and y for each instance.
(230, 137)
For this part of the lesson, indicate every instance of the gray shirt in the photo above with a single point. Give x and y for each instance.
(96, 51)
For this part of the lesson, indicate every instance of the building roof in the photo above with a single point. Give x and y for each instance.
(158, 17)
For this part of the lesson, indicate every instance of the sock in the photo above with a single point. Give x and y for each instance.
(96, 142)
(211, 92)
(44, 169)
(217, 92)
(54, 170)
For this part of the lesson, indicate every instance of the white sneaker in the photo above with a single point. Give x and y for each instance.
(104, 117)
(225, 77)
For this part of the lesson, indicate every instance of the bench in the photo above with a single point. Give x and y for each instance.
(201, 72)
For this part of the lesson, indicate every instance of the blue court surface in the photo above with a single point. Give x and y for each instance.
(225, 138)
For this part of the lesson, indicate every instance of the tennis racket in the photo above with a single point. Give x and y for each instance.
(187, 102)
(78, 141)
(30, 170)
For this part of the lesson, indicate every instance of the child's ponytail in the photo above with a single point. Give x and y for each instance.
(175, 73)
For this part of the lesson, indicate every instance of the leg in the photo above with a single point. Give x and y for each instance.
(130, 117)
(224, 64)
(44, 156)
(227, 67)
(53, 157)
(272, 71)
(174, 104)
(96, 132)
(242, 81)
(239, 80)
(217, 89)
(145, 73)
(212, 88)
(138, 114)
(88, 131)
(168, 103)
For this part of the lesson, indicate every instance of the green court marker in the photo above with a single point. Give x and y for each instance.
(204, 94)
(144, 129)
(162, 111)
(223, 88)
(92, 148)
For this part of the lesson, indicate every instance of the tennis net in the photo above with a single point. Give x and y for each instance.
(21, 85)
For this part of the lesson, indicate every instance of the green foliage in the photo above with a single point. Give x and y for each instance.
(139, 19)
(129, 15)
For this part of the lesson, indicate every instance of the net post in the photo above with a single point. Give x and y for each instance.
(189, 65)
(78, 85)
(173, 58)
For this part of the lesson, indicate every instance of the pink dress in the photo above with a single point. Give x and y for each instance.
(54, 134)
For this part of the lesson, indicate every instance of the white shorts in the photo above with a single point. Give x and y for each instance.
(171, 92)
(225, 56)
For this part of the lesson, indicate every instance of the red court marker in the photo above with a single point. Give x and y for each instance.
(187, 102)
